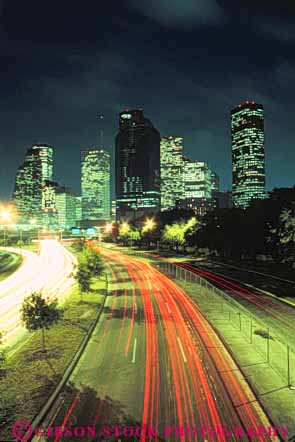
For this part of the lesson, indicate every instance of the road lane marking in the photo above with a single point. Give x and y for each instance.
(168, 308)
(134, 350)
(181, 349)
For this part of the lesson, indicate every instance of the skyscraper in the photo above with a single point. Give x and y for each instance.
(199, 182)
(172, 180)
(197, 179)
(78, 210)
(137, 166)
(36, 168)
(248, 165)
(95, 184)
(49, 189)
(66, 208)
(45, 153)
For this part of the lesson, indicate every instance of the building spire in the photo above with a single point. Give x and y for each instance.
(101, 133)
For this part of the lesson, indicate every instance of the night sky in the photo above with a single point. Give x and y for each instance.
(185, 62)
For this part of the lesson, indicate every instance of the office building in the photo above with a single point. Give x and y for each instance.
(215, 182)
(95, 184)
(197, 179)
(172, 179)
(66, 208)
(36, 168)
(49, 212)
(137, 166)
(78, 210)
(248, 163)
(113, 210)
(222, 200)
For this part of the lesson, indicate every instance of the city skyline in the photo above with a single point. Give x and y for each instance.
(55, 87)
(76, 185)
(148, 172)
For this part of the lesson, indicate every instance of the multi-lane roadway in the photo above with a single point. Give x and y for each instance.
(50, 272)
(154, 361)
(248, 288)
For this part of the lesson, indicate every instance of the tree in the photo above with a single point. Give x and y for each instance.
(176, 232)
(90, 265)
(83, 276)
(79, 245)
(128, 233)
(93, 260)
(38, 313)
(285, 234)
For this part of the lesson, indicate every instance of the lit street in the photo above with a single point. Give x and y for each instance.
(147, 221)
(49, 272)
(167, 367)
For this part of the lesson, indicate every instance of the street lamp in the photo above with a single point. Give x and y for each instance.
(149, 224)
(6, 217)
(108, 228)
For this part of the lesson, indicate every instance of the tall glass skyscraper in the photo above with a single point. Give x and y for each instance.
(137, 166)
(198, 181)
(172, 184)
(49, 189)
(248, 164)
(95, 184)
(35, 170)
(66, 208)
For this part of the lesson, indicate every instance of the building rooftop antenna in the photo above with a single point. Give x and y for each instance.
(101, 133)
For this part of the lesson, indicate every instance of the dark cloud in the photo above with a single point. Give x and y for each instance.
(186, 63)
(179, 13)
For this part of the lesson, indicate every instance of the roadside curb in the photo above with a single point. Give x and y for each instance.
(68, 372)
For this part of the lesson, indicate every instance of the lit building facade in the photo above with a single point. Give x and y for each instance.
(172, 178)
(50, 220)
(200, 183)
(215, 182)
(45, 153)
(95, 184)
(197, 179)
(114, 210)
(137, 166)
(66, 208)
(35, 170)
(248, 162)
(78, 209)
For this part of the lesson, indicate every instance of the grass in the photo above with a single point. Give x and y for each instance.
(9, 263)
(31, 377)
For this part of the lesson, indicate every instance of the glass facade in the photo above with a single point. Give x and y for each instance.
(137, 166)
(95, 184)
(35, 170)
(49, 189)
(66, 208)
(78, 209)
(46, 156)
(197, 179)
(172, 184)
(248, 163)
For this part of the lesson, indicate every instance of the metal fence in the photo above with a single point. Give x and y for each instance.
(232, 320)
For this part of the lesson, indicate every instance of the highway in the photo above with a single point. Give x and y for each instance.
(273, 312)
(49, 272)
(154, 361)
